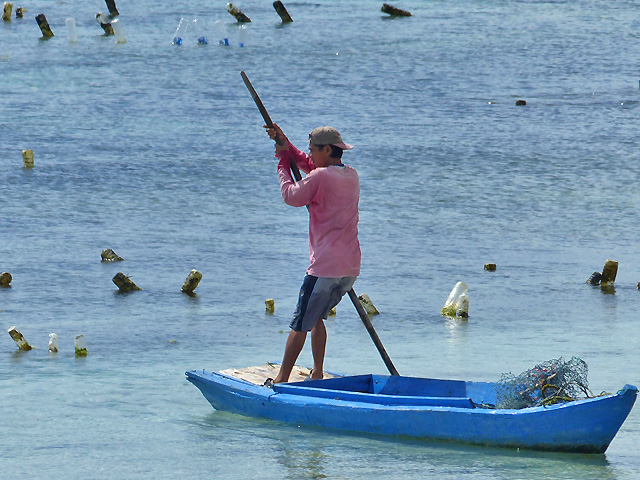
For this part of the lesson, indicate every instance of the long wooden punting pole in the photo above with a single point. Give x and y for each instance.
(352, 295)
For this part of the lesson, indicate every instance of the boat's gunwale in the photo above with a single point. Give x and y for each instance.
(275, 395)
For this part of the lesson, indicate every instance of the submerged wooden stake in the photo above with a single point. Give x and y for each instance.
(103, 20)
(271, 305)
(393, 11)
(5, 279)
(237, 13)
(124, 283)
(192, 281)
(27, 158)
(109, 255)
(44, 26)
(609, 272)
(20, 12)
(368, 304)
(111, 5)
(19, 339)
(282, 11)
(490, 267)
(6, 11)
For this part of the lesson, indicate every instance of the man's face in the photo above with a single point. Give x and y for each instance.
(320, 155)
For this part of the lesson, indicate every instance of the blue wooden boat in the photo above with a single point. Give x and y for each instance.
(451, 410)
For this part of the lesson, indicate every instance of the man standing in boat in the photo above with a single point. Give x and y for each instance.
(331, 191)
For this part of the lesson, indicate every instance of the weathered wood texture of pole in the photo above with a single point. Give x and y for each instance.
(393, 11)
(372, 333)
(44, 26)
(111, 5)
(6, 11)
(192, 281)
(19, 339)
(282, 11)
(237, 13)
(609, 272)
(124, 283)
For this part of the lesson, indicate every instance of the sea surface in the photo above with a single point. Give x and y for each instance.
(156, 151)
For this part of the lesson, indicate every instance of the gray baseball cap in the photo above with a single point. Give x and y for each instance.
(327, 136)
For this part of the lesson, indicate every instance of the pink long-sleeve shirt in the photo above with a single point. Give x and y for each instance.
(332, 194)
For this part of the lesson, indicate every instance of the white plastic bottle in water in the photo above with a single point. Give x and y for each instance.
(242, 35)
(72, 36)
(457, 303)
(53, 343)
(462, 309)
(197, 27)
(117, 31)
(180, 32)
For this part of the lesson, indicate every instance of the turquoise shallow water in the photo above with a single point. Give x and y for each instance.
(156, 151)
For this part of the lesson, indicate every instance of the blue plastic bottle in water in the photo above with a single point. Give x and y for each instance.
(197, 27)
(180, 32)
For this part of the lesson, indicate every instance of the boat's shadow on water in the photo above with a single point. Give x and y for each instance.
(310, 452)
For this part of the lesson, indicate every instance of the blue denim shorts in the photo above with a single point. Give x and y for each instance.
(318, 295)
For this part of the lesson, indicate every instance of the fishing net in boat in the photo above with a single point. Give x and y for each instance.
(553, 381)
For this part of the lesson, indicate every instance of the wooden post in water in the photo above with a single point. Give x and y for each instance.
(20, 11)
(192, 281)
(237, 13)
(609, 272)
(270, 304)
(109, 255)
(393, 11)
(6, 11)
(124, 283)
(5, 279)
(44, 26)
(282, 11)
(368, 305)
(27, 158)
(490, 267)
(111, 5)
(103, 20)
(19, 339)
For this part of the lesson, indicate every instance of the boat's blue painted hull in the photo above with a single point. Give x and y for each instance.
(424, 408)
